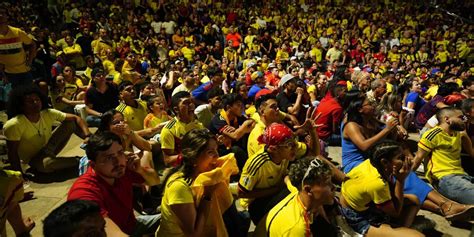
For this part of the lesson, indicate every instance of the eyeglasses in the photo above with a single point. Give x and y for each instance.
(315, 163)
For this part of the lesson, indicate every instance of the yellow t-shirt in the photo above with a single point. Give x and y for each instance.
(260, 172)
(188, 53)
(32, 136)
(287, 219)
(177, 191)
(445, 153)
(13, 55)
(374, 189)
(174, 131)
(316, 54)
(134, 116)
(101, 48)
(442, 56)
(152, 121)
(431, 92)
(393, 57)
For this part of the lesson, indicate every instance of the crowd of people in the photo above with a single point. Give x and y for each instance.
(199, 105)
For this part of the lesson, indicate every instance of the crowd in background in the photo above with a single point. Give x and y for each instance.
(231, 101)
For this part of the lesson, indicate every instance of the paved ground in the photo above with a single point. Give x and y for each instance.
(51, 192)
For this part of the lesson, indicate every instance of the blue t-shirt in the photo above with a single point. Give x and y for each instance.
(200, 93)
(415, 98)
(254, 90)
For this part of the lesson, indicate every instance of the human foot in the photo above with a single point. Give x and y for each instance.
(453, 211)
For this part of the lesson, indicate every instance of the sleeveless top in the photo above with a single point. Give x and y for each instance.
(352, 156)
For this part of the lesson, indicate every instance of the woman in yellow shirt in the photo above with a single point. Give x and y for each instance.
(367, 207)
(181, 214)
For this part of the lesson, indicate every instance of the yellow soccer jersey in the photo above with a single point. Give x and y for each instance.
(174, 131)
(134, 116)
(445, 153)
(177, 191)
(260, 172)
(374, 189)
(287, 219)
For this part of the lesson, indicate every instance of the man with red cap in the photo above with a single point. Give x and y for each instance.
(261, 184)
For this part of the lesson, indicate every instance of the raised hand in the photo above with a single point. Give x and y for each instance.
(310, 121)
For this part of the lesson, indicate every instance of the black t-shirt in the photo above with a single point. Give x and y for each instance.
(285, 101)
(103, 102)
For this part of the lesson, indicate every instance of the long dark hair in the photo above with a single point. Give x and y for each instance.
(354, 101)
(192, 145)
(17, 96)
(106, 119)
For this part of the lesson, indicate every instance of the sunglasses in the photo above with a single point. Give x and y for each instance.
(315, 163)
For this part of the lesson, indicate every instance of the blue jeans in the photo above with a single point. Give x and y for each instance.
(146, 224)
(458, 187)
(93, 121)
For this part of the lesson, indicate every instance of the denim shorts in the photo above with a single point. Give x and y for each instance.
(360, 222)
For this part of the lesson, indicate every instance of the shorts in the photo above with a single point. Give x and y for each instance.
(360, 222)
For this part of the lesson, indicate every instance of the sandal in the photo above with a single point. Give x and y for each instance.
(467, 213)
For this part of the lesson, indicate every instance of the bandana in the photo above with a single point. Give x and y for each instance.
(275, 134)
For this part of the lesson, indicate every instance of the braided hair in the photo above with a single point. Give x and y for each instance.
(386, 149)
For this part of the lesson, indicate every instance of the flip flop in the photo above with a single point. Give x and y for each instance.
(466, 214)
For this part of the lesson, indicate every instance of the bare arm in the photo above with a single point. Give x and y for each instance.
(238, 133)
(79, 122)
(420, 156)
(169, 156)
(91, 111)
(13, 155)
(353, 132)
(112, 229)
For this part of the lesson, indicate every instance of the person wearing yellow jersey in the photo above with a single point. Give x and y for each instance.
(184, 212)
(171, 135)
(188, 52)
(261, 181)
(133, 110)
(301, 213)
(157, 116)
(393, 55)
(16, 61)
(102, 44)
(268, 113)
(442, 146)
(367, 207)
(442, 55)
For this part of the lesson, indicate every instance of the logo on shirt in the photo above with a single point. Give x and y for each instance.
(247, 180)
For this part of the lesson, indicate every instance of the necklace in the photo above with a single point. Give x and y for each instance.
(38, 128)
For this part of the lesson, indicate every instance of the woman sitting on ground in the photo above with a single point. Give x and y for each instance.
(367, 208)
(182, 212)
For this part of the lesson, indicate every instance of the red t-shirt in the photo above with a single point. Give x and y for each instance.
(115, 202)
(331, 112)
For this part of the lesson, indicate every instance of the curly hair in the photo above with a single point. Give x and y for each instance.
(17, 96)
(316, 175)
